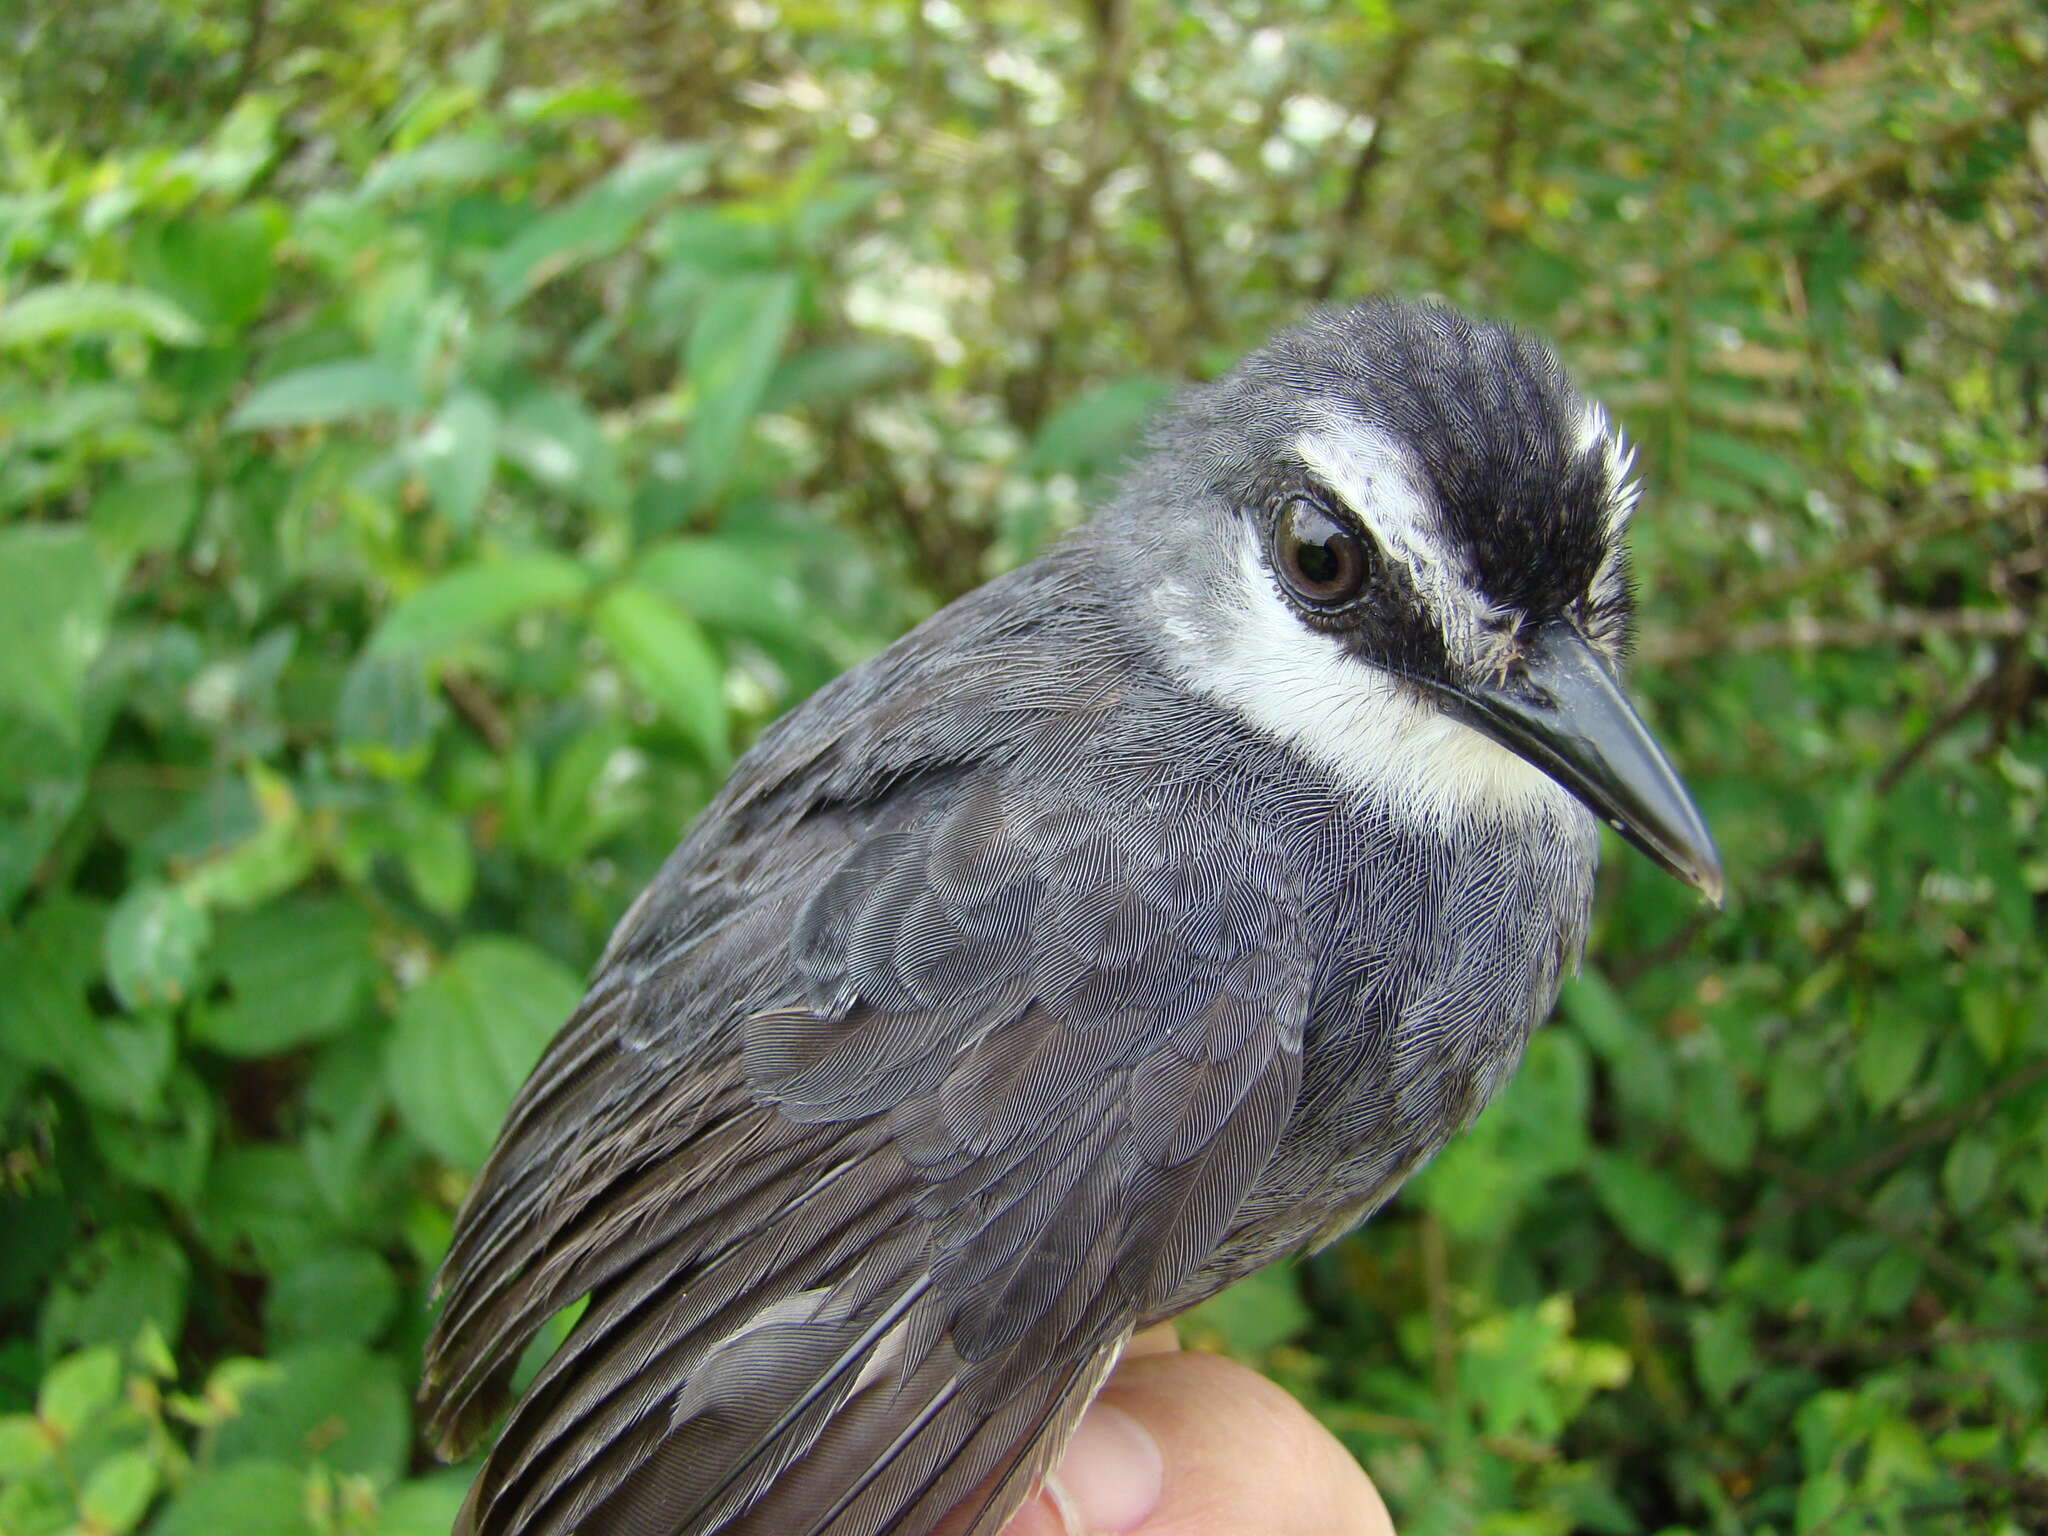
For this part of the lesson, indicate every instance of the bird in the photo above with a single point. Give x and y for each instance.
(1147, 914)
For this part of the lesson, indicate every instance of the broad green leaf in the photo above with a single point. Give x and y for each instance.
(556, 439)
(79, 1388)
(732, 352)
(1636, 1059)
(722, 582)
(24, 1447)
(295, 971)
(155, 939)
(1097, 429)
(387, 714)
(55, 602)
(466, 1038)
(118, 1491)
(437, 164)
(261, 1207)
(1716, 1117)
(456, 454)
(1259, 1313)
(471, 602)
(830, 375)
(48, 962)
(321, 393)
(1888, 1052)
(1660, 1215)
(426, 1506)
(147, 511)
(62, 311)
(593, 225)
(343, 1294)
(667, 656)
(239, 1498)
(1970, 1171)
(123, 1064)
(437, 856)
(217, 265)
(166, 1149)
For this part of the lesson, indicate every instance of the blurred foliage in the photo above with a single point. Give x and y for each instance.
(435, 440)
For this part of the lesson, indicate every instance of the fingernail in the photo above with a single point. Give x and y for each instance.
(1111, 1476)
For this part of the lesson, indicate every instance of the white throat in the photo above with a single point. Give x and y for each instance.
(1304, 689)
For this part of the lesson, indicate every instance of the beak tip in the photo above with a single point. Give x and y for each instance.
(1707, 879)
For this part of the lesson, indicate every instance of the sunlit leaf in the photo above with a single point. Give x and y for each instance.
(731, 355)
(62, 311)
(466, 1038)
(668, 656)
(322, 393)
(472, 601)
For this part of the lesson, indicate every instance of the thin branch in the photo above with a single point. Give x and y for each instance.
(1935, 1128)
(1172, 214)
(1806, 633)
(1855, 554)
(1837, 1193)
(1392, 81)
(474, 703)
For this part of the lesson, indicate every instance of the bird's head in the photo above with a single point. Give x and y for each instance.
(1394, 539)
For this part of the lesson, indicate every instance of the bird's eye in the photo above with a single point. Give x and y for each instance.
(1323, 562)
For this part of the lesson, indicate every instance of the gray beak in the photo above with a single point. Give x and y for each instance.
(1568, 716)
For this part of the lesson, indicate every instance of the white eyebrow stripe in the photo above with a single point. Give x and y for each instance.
(1370, 475)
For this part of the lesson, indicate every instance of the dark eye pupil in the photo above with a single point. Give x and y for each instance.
(1318, 562)
(1321, 559)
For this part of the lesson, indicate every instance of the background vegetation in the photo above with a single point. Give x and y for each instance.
(436, 437)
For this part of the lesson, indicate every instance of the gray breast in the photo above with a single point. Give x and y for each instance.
(1441, 947)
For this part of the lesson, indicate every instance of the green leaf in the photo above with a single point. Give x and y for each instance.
(1888, 1052)
(63, 311)
(296, 971)
(668, 657)
(1715, 1114)
(466, 1038)
(242, 1498)
(387, 714)
(1097, 429)
(343, 1294)
(723, 582)
(123, 1064)
(438, 164)
(731, 355)
(1258, 1314)
(1659, 1215)
(593, 225)
(333, 1404)
(469, 603)
(154, 942)
(425, 1506)
(24, 1447)
(56, 598)
(556, 439)
(118, 1491)
(329, 392)
(168, 1148)
(456, 455)
(147, 511)
(49, 962)
(78, 1389)
(217, 265)
(831, 375)
(436, 853)
(262, 1208)
(1970, 1171)
(1636, 1059)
